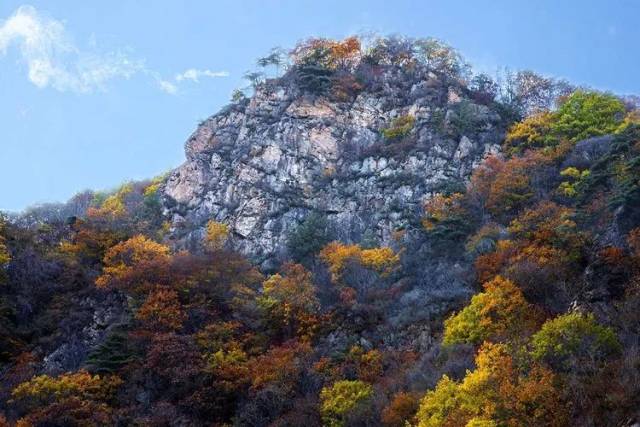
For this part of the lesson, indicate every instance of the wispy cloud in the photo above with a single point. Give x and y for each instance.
(53, 60)
(193, 75)
(167, 86)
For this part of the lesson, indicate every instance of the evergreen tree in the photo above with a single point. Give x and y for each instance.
(112, 354)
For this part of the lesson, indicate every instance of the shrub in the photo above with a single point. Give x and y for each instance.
(345, 86)
(162, 311)
(575, 342)
(440, 208)
(503, 187)
(511, 189)
(497, 313)
(44, 389)
(485, 239)
(497, 392)
(131, 264)
(289, 300)
(379, 259)
(309, 237)
(314, 79)
(532, 132)
(446, 217)
(394, 50)
(341, 399)
(549, 236)
(582, 114)
(327, 53)
(71, 411)
(466, 120)
(112, 206)
(484, 89)
(401, 410)
(586, 113)
(338, 256)
(545, 249)
(617, 172)
(400, 127)
(368, 365)
(570, 188)
(440, 57)
(317, 61)
(280, 366)
(217, 235)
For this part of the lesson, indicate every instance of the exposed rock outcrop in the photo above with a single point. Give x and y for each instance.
(262, 165)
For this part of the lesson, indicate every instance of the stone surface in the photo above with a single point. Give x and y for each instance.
(263, 164)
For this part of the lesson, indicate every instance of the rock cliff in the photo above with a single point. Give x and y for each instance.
(261, 165)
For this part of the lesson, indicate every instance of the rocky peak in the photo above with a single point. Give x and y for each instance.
(263, 164)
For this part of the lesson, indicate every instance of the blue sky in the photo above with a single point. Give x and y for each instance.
(94, 93)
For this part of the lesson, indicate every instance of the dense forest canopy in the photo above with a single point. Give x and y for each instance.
(549, 228)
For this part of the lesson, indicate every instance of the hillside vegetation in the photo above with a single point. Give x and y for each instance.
(511, 298)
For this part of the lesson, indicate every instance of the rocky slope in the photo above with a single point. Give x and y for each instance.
(263, 164)
(105, 320)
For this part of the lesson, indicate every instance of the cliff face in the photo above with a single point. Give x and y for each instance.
(263, 164)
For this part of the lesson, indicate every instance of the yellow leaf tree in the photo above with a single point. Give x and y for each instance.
(134, 264)
(290, 300)
(496, 393)
(498, 313)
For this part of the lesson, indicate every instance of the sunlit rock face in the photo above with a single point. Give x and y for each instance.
(263, 164)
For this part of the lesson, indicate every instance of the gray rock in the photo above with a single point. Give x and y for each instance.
(101, 316)
(262, 166)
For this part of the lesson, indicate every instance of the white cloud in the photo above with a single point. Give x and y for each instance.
(53, 60)
(195, 75)
(168, 87)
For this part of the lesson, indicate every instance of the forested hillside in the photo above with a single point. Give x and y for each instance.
(374, 236)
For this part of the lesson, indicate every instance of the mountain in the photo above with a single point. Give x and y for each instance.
(264, 164)
(374, 235)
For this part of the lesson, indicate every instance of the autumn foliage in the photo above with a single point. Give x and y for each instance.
(133, 264)
(291, 302)
(341, 399)
(338, 256)
(498, 313)
(497, 392)
(162, 310)
(512, 299)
